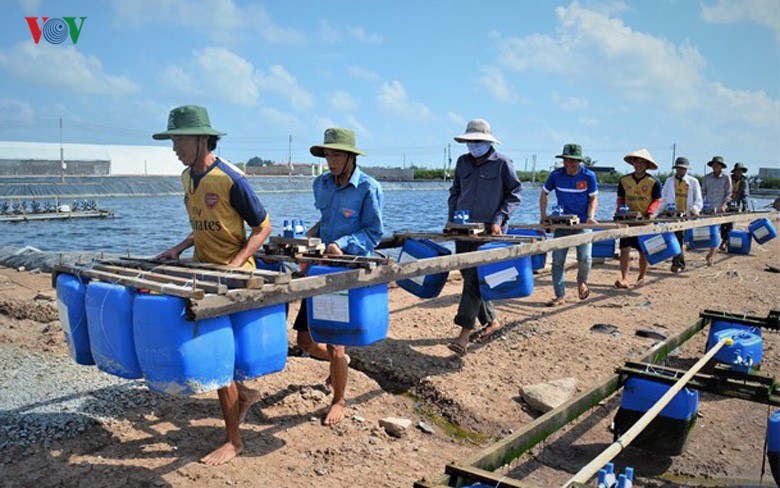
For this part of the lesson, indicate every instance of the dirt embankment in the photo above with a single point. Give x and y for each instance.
(136, 437)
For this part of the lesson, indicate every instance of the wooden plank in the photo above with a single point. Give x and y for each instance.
(437, 236)
(240, 300)
(206, 268)
(207, 286)
(600, 225)
(510, 448)
(238, 280)
(138, 283)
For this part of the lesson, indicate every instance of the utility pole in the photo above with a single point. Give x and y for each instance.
(674, 152)
(63, 165)
(444, 165)
(449, 158)
(525, 168)
(533, 169)
(289, 159)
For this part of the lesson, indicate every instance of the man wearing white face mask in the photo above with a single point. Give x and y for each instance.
(486, 185)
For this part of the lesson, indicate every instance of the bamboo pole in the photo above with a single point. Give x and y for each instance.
(241, 300)
(590, 469)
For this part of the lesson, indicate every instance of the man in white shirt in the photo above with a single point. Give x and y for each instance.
(684, 192)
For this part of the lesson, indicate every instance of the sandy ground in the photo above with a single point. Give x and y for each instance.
(471, 401)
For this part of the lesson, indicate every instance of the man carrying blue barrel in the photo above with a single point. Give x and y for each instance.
(716, 188)
(484, 184)
(576, 190)
(682, 191)
(219, 201)
(350, 205)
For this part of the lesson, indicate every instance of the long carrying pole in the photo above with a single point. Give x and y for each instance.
(590, 469)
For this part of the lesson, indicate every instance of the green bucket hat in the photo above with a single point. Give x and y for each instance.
(717, 160)
(739, 167)
(337, 139)
(571, 151)
(188, 120)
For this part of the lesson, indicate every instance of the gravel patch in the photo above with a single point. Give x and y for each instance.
(45, 397)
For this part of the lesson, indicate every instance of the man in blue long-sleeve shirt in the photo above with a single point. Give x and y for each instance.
(350, 205)
(486, 185)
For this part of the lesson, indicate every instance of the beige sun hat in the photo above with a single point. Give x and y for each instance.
(477, 130)
(338, 139)
(642, 154)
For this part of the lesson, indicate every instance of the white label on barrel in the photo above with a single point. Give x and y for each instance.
(408, 258)
(701, 234)
(735, 241)
(495, 279)
(655, 244)
(333, 307)
(761, 232)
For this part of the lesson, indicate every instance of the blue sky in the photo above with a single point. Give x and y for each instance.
(612, 76)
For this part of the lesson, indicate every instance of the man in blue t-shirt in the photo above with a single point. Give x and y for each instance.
(577, 192)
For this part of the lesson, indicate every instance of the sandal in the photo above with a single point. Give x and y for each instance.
(485, 333)
(457, 348)
(556, 302)
(584, 294)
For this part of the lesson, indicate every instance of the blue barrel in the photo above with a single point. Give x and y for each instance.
(261, 341)
(71, 294)
(110, 319)
(537, 260)
(659, 247)
(762, 230)
(703, 237)
(603, 249)
(506, 279)
(423, 286)
(177, 356)
(747, 345)
(356, 317)
(773, 445)
(667, 433)
(260, 263)
(739, 242)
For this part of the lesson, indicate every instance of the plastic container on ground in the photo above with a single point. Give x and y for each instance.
(668, 433)
(746, 352)
(739, 242)
(71, 294)
(538, 261)
(703, 237)
(260, 341)
(506, 279)
(762, 230)
(110, 319)
(356, 317)
(603, 249)
(773, 445)
(423, 286)
(659, 247)
(177, 356)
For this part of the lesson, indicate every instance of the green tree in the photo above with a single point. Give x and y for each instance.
(589, 162)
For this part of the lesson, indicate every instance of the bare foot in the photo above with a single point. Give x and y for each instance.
(485, 333)
(640, 282)
(246, 398)
(222, 454)
(335, 414)
(621, 284)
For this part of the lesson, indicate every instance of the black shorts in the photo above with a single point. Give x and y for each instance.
(630, 242)
(301, 321)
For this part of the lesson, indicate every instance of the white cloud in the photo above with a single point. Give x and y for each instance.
(456, 119)
(342, 101)
(361, 35)
(220, 20)
(219, 73)
(756, 109)
(328, 33)
(604, 51)
(494, 82)
(325, 123)
(62, 67)
(278, 80)
(214, 72)
(359, 128)
(30, 6)
(762, 12)
(362, 73)
(570, 104)
(16, 110)
(281, 120)
(392, 98)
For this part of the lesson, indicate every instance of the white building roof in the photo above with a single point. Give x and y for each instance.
(125, 160)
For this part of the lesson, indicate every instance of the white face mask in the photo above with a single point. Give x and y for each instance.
(478, 149)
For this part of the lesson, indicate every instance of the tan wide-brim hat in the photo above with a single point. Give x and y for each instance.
(642, 154)
(477, 130)
(337, 139)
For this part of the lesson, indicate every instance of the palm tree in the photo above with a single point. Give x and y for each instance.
(588, 162)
